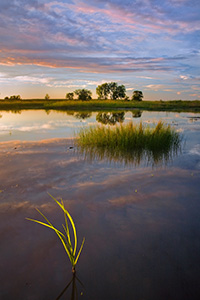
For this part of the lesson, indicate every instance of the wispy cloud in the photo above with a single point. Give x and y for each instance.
(101, 37)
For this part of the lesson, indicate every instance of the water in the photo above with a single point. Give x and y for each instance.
(37, 125)
(141, 223)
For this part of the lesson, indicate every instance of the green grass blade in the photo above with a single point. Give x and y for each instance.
(79, 251)
(74, 230)
(71, 258)
(71, 221)
(44, 217)
(60, 234)
(64, 238)
(44, 224)
(67, 227)
(50, 225)
(68, 242)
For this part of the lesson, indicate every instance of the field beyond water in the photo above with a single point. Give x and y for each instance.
(59, 104)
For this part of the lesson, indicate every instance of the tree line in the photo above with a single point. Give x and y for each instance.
(14, 97)
(108, 90)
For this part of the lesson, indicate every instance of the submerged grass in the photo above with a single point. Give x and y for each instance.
(129, 142)
(69, 240)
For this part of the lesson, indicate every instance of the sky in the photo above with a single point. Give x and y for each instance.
(56, 47)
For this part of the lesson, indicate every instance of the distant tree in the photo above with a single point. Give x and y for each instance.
(83, 94)
(121, 92)
(69, 96)
(6, 98)
(111, 90)
(15, 97)
(47, 97)
(126, 98)
(103, 91)
(137, 96)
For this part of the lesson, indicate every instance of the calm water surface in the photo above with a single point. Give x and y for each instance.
(35, 125)
(141, 223)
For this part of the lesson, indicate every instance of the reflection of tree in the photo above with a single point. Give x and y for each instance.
(136, 113)
(1, 116)
(69, 112)
(82, 115)
(193, 119)
(16, 111)
(48, 111)
(74, 291)
(110, 118)
(78, 115)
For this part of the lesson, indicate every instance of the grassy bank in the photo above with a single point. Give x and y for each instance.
(95, 105)
(129, 143)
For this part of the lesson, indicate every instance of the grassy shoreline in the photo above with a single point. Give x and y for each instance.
(95, 105)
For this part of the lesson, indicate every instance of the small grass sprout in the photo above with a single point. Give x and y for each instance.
(69, 238)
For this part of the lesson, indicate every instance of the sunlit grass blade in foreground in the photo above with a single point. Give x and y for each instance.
(130, 143)
(66, 238)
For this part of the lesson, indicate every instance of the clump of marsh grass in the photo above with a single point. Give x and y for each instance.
(129, 142)
(68, 238)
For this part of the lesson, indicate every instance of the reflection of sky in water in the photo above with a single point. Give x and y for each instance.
(38, 125)
(142, 224)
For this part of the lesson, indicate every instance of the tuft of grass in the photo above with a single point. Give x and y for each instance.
(69, 238)
(129, 142)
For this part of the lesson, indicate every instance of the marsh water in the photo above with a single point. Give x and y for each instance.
(141, 222)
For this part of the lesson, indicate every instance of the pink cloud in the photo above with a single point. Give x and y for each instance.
(195, 95)
(135, 21)
(88, 64)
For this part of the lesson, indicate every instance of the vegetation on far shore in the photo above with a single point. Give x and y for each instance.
(108, 90)
(96, 104)
(111, 96)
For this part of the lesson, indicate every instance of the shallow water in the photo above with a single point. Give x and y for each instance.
(141, 224)
(35, 125)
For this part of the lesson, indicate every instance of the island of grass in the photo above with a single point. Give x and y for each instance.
(129, 142)
(95, 105)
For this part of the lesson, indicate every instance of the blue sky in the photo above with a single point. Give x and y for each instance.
(58, 46)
